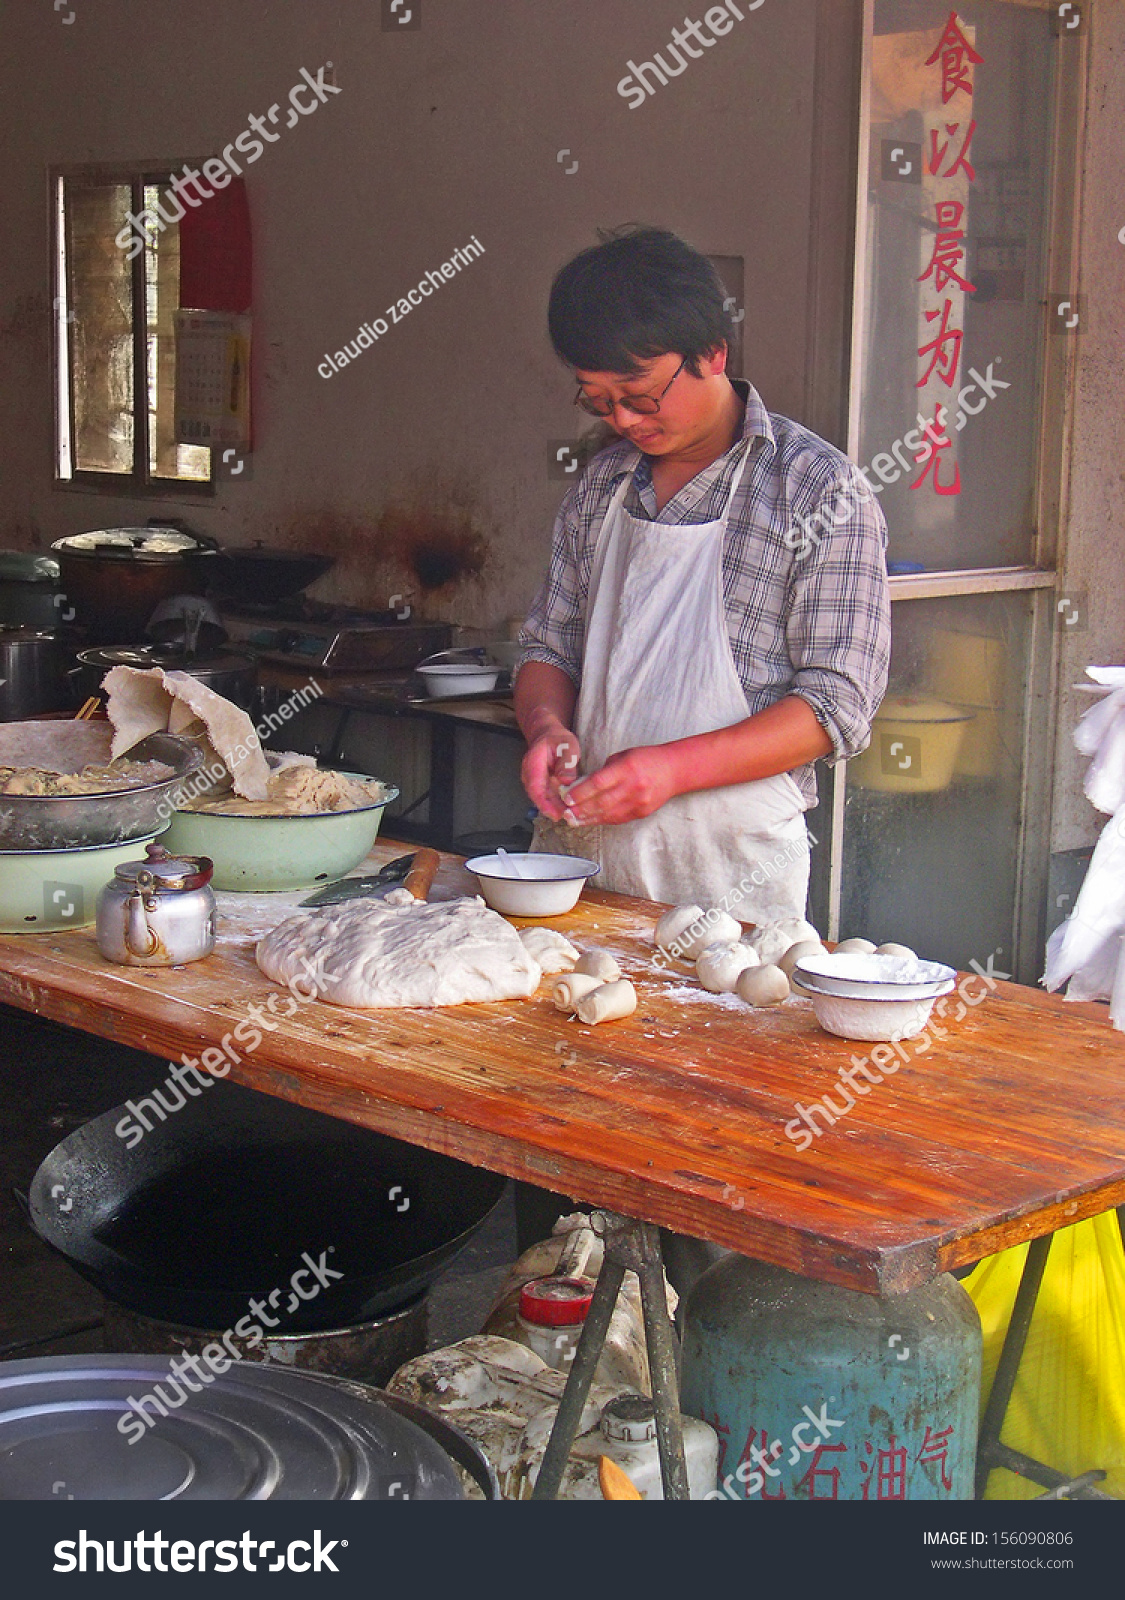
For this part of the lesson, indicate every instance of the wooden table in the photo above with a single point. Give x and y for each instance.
(1010, 1127)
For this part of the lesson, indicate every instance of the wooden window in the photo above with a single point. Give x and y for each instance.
(115, 347)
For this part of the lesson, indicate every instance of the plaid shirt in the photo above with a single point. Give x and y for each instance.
(808, 616)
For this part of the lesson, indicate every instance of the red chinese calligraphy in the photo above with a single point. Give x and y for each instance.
(936, 1448)
(949, 252)
(938, 152)
(831, 1474)
(890, 1474)
(955, 53)
(944, 351)
(937, 440)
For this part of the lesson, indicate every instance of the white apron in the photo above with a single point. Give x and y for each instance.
(658, 666)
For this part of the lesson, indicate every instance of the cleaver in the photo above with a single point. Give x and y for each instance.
(414, 872)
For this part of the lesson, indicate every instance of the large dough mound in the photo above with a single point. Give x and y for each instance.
(368, 953)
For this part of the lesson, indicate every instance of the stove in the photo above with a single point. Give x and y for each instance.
(305, 633)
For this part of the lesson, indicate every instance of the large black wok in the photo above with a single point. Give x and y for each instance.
(220, 1202)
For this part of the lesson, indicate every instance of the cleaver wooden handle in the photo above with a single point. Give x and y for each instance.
(421, 875)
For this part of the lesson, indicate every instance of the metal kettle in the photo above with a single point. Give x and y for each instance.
(159, 912)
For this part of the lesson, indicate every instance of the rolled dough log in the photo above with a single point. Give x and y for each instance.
(608, 1002)
(549, 948)
(572, 987)
(600, 964)
(369, 953)
(719, 965)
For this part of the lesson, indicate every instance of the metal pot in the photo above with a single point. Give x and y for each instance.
(32, 674)
(29, 590)
(159, 912)
(114, 578)
(231, 674)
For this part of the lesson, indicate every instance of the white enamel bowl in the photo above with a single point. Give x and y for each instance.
(874, 977)
(532, 885)
(870, 1020)
(453, 679)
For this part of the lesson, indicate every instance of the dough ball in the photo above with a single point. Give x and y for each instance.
(673, 923)
(550, 949)
(771, 940)
(719, 965)
(599, 964)
(856, 947)
(763, 986)
(608, 1002)
(803, 947)
(895, 950)
(570, 987)
(713, 927)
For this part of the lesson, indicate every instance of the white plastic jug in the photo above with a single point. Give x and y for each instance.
(504, 1397)
(574, 1251)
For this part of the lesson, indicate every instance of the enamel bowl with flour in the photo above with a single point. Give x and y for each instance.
(873, 997)
(532, 885)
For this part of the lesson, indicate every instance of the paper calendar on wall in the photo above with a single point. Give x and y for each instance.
(212, 378)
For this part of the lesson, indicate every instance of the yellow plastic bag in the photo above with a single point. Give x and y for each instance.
(1068, 1404)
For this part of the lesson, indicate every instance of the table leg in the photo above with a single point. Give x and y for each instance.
(991, 1451)
(635, 1245)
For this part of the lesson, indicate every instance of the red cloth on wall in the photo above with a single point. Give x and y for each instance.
(215, 254)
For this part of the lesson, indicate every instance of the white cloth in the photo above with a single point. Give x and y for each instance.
(658, 666)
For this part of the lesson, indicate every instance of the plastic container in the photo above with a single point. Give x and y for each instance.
(573, 1254)
(914, 746)
(504, 1398)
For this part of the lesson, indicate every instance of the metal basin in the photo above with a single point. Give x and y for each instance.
(71, 822)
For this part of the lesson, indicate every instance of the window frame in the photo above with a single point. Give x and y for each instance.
(138, 483)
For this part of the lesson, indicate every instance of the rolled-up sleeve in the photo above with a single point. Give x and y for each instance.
(555, 628)
(838, 628)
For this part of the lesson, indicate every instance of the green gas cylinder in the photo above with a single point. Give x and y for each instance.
(822, 1393)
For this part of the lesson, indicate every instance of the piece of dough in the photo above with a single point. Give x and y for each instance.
(571, 987)
(549, 948)
(763, 986)
(893, 949)
(600, 964)
(714, 927)
(856, 947)
(795, 952)
(369, 953)
(772, 939)
(140, 701)
(608, 1002)
(719, 965)
(673, 923)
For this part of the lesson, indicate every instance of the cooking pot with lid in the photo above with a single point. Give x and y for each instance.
(29, 590)
(32, 674)
(114, 578)
(228, 672)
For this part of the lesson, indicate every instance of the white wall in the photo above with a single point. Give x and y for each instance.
(438, 134)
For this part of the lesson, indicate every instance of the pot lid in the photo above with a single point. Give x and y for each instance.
(127, 544)
(155, 655)
(254, 1432)
(15, 634)
(24, 566)
(168, 872)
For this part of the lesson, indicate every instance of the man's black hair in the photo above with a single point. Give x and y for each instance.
(639, 294)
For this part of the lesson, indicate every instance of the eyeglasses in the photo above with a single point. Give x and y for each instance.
(642, 405)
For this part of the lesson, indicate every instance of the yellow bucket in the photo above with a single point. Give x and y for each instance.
(915, 743)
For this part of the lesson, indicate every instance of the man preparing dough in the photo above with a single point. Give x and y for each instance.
(693, 651)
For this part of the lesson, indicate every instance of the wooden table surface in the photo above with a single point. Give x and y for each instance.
(1009, 1127)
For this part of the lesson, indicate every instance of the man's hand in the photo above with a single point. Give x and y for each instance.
(632, 784)
(551, 763)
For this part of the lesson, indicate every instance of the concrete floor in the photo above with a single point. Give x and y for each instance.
(53, 1079)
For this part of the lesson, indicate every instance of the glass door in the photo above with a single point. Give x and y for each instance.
(938, 830)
